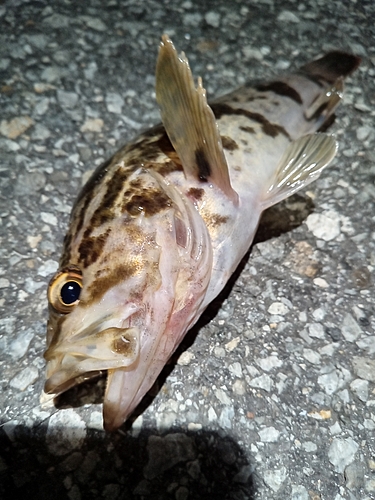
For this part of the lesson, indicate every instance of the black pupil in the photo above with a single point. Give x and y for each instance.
(70, 292)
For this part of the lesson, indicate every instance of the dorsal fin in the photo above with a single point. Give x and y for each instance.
(327, 102)
(189, 120)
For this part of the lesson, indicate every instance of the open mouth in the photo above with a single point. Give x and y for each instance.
(90, 389)
(81, 358)
(52, 385)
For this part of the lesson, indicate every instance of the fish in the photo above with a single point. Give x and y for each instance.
(161, 226)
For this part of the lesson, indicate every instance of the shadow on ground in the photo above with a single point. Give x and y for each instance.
(275, 221)
(177, 465)
(171, 465)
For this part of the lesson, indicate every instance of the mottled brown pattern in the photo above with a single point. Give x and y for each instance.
(104, 212)
(93, 181)
(91, 248)
(150, 201)
(144, 151)
(214, 220)
(250, 130)
(271, 129)
(196, 193)
(112, 175)
(134, 234)
(65, 256)
(280, 88)
(167, 148)
(228, 143)
(113, 277)
(134, 184)
(145, 148)
(166, 167)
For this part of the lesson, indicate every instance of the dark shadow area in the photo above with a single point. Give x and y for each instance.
(157, 465)
(284, 217)
(177, 464)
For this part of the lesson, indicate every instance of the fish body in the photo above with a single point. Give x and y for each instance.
(159, 228)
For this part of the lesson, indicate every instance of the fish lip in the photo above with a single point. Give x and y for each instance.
(72, 363)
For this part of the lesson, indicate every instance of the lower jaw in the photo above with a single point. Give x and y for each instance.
(59, 389)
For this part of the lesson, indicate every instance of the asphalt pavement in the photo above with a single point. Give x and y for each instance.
(272, 395)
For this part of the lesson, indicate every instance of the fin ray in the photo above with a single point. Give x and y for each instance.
(302, 162)
(327, 102)
(189, 120)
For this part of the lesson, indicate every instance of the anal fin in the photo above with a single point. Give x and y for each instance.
(301, 163)
(189, 120)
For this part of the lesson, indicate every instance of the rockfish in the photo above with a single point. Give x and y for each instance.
(160, 227)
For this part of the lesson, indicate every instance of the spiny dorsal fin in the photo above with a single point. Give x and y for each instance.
(301, 163)
(189, 121)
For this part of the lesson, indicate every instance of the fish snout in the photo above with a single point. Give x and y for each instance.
(78, 359)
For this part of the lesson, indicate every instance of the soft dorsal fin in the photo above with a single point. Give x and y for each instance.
(301, 163)
(189, 120)
(327, 102)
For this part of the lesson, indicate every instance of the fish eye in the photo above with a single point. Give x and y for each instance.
(64, 290)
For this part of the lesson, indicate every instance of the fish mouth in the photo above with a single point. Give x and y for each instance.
(81, 358)
(53, 386)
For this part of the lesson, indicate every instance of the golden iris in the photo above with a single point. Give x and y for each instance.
(64, 290)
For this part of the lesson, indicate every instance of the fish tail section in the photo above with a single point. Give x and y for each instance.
(332, 66)
(328, 72)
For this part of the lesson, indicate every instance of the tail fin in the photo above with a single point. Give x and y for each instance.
(328, 72)
(331, 67)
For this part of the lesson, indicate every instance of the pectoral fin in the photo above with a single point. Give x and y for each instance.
(189, 120)
(301, 163)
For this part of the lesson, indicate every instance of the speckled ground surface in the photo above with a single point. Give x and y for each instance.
(273, 395)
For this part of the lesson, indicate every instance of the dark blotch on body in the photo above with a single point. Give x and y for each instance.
(149, 201)
(104, 212)
(228, 143)
(100, 286)
(165, 168)
(165, 145)
(87, 192)
(196, 193)
(91, 248)
(204, 170)
(215, 220)
(280, 88)
(249, 130)
(271, 129)
(65, 257)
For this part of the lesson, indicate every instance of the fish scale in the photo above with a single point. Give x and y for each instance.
(160, 227)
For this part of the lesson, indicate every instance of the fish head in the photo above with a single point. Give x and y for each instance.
(125, 309)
